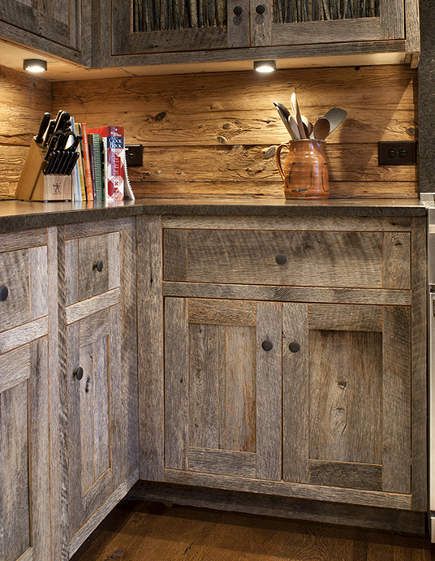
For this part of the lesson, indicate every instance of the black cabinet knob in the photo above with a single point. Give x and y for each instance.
(98, 266)
(281, 259)
(267, 345)
(238, 11)
(294, 347)
(78, 373)
(260, 9)
(4, 293)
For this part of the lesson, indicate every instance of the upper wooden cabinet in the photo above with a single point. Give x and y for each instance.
(60, 27)
(147, 32)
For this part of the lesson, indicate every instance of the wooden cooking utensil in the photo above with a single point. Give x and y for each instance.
(321, 128)
(284, 114)
(335, 116)
(294, 126)
(308, 126)
(297, 114)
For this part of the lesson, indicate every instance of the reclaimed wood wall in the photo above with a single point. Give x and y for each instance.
(23, 100)
(208, 134)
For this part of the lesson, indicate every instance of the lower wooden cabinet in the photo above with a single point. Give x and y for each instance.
(259, 395)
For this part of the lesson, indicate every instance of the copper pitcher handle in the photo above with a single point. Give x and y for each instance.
(278, 159)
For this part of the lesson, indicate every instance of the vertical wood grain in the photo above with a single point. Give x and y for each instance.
(150, 347)
(269, 388)
(176, 383)
(295, 394)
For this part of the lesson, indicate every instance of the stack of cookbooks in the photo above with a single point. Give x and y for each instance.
(101, 171)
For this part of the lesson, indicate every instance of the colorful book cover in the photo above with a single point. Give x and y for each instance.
(87, 164)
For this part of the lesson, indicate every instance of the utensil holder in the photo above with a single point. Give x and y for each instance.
(305, 170)
(33, 185)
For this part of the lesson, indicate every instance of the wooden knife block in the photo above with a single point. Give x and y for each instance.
(33, 185)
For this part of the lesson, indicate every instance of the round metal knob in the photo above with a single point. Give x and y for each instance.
(98, 266)
(294, 347)
(78, 373)
(4, 293)
(267, 345)
(281, 259)
(260, 9)
(238, 11)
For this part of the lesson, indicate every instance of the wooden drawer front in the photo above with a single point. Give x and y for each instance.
(299, 258)
(23, 286)
(92, 266)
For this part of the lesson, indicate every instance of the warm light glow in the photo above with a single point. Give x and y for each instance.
(265, 66)
(35, 65)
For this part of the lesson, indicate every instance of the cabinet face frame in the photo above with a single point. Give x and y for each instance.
(127, 42)
(389, 25)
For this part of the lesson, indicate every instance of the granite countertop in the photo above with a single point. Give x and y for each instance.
(16, 215)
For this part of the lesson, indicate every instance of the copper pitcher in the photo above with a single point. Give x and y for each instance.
(305, 170)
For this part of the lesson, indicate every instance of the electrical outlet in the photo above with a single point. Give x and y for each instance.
(134, 155)
(402, 153)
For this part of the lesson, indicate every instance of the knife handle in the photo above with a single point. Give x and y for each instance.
(42, 128)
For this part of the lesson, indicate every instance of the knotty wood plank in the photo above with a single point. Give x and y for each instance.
(346, 474)
(23, 334)
(218, 312)
(150, 337)
(176, 383)
(38, 281)
(288, 294)
(345, 318)
(14, 367)
(269, 389)
(397, 260)
(82, 309)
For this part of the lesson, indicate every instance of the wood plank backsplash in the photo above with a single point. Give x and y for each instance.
(23, 100)
(211, 133)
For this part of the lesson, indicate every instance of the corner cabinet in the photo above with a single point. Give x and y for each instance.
(61, 28)
(293, 357)
(100, 391)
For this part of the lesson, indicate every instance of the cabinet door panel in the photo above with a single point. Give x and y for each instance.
(144, 26)
(24, 464)
(292, 23)
(222, 394)
(95, 411)
(347, 396)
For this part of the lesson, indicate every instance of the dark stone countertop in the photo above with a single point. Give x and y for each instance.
(20, 215)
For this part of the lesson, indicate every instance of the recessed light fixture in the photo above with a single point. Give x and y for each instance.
(35, 65)
(264, 66)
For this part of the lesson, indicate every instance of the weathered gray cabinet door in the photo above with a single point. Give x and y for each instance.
(145, 26)
(57, 26)
(24, 458)
(96, 411)
(347, 396)
(223, 387)
(292, 23)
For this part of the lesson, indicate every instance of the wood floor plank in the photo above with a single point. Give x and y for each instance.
(138, 531)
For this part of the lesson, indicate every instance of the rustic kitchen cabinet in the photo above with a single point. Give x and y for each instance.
(290, 356)
(58, 27)
(145, 32)
(24, 398)
(101, 371)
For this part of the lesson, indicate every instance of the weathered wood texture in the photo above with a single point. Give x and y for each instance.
(210, 134)
(22, 103)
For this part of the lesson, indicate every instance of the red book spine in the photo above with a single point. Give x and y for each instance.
(87, 164)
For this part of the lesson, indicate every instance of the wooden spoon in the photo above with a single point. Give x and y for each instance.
(321, 128)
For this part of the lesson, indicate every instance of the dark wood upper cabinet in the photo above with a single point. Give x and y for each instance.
(145, 26)
(277, 22)
(59, 27)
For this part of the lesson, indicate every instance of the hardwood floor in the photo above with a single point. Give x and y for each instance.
(136, 531)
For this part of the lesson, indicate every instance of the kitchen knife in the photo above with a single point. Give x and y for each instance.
(62, 122)
(48, 133)
(42, 128)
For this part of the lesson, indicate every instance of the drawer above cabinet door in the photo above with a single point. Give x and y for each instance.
(23, 279)
(351, 259)
(92, 266)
